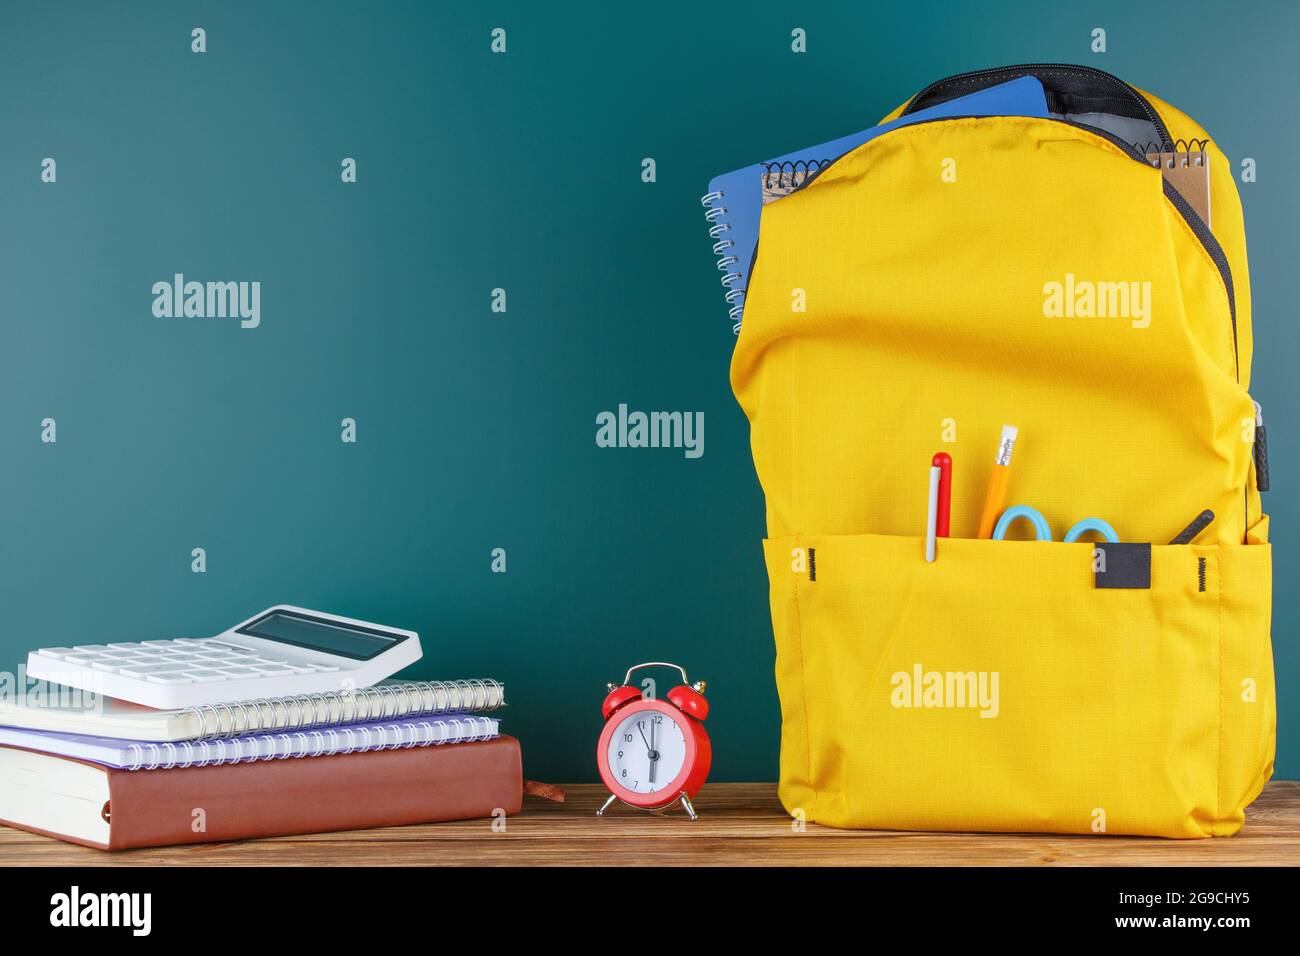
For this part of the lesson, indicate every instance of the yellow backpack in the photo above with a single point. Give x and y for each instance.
(921, 291)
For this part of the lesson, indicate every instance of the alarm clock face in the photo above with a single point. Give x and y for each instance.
(647, 751)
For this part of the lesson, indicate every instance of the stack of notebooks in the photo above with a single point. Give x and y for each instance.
(111, 774)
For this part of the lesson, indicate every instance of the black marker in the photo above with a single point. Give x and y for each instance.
(1199, 524)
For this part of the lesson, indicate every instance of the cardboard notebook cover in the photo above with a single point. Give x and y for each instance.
(378, 788)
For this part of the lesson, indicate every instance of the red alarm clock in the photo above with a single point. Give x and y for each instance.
(654, 753)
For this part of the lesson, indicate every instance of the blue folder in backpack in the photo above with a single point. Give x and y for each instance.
(735, 200)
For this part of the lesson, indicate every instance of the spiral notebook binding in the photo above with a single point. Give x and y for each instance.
(211, 752)
(1186, 147)
(790, 175)
(714, 212)
(1185, 166)
(380, 702)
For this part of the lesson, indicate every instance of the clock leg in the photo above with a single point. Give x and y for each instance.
(690, 810)
(608, 803)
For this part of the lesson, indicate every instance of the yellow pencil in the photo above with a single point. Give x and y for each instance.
(997, 494)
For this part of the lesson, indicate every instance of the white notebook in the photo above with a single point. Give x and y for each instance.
(318, 742)
(72, 712)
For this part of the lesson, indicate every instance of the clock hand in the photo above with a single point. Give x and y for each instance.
(654, 754)
(649, 748)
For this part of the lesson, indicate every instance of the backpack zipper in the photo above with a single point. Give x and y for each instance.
(1199, 229)
(1202, 232)
(1220, 258)
(1031, 69)
(1261, 450)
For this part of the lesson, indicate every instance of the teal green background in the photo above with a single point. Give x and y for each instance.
(476, 430)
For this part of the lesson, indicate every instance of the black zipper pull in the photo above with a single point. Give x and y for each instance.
(1261, 450)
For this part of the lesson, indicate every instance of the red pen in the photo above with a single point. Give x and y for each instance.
(943, 461)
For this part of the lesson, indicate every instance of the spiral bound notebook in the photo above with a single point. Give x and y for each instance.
(109, 717)
(1187, 168)
(210, 752)
(734, 202)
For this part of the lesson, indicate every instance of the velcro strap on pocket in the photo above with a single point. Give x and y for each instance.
(1123, 565)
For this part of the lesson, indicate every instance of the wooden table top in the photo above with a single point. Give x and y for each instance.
(739, 824)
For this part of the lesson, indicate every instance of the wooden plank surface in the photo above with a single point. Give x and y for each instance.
(740, 824)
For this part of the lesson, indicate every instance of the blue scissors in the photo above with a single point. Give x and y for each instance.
(1043, 531)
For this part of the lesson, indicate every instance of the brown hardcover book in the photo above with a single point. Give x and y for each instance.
(112, 809)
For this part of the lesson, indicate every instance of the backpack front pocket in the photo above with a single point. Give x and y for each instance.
(999, 688)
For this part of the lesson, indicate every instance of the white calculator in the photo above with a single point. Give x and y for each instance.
(282, 652)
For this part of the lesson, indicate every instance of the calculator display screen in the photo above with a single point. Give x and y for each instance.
(327, 637)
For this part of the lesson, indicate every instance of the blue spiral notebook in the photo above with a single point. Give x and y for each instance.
(734, 203)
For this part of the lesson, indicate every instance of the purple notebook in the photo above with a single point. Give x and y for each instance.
(318, 742)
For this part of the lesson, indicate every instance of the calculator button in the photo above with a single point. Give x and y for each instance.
(54, 651)
(204, 677)
(82, 658)
(172, 678)
(124, 647)
(269, 671)
(144, 670)
(238, 672)
(106, 665)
